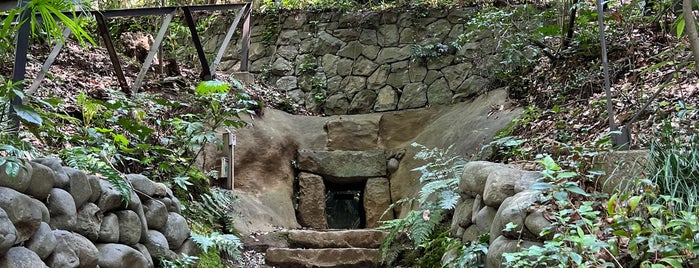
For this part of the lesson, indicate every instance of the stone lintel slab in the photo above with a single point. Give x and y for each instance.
(340, 165)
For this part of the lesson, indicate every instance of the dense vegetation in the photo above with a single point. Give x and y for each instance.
(549, 65)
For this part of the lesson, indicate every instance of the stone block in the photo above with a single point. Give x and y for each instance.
(311, 208)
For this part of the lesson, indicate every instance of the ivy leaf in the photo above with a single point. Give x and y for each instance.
(12, 169)
(27, 114)
(550, 164)
(633, 202)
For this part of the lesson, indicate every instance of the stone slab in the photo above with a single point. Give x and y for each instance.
(326, 258)
(343, 166)
(358, 238)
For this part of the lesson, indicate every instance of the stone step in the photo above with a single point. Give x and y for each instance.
(359, 238)
(322, 258)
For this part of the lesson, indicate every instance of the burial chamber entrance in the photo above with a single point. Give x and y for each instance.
(344, 206)
(325, 203)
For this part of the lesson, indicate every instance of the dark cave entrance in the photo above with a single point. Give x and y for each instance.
(344, 205)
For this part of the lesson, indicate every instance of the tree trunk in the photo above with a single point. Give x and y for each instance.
(691, 30)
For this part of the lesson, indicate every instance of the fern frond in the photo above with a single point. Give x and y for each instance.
(448, 199)
(83, 159)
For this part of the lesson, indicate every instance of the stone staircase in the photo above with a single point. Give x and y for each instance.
(328, 248)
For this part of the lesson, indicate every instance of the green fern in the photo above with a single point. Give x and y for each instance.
(81, 158)
(228, 243)
(439, 179)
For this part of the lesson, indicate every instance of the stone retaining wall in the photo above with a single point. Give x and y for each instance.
(57, 216)
(351, 63)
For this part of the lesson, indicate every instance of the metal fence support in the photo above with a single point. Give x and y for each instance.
(206, 72)
(153, 50)
(20, 67)
(47, 64)
(104, 32)
(229, 35)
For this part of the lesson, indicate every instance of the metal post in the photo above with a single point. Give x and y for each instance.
(52, 57)
(229, 142)
(20, 68)
(246, 40)
(104, 32)
(206, 72)
(616, 138)
(227, 40)
(151, 54)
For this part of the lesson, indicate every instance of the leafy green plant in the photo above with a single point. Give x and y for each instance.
(674, 166)
(439, 179)
(424, 53)
(97, 160)
(574, 229)
(185, 262)
(228, 243)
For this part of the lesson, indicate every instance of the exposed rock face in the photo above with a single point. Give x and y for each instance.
(311, 211)
(27, 223)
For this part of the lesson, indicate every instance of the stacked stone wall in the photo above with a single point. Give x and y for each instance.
(366, 61)
(57, 216)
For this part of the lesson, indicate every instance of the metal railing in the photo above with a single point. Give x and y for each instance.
(244, 12)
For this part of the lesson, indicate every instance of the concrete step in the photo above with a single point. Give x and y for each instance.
(357, 238)
(323, 258)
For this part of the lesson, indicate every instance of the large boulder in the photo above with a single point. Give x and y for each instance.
(141, 184)
(514, 210)
(61, 205)
(8, 233)
(78, 186)
(20, 257)
(42, 181)
(175, 230)
(505, 182)
(109, 229)
(43, 242)
(311, 208)
(129, 227)
(89, 221)
(61, 178)
(500, 245)
(118, 255)
(73, 250)
(343, 166)
(157, 245)
(377, 199)
(463, 214)
(156, 213)
(20, 182)
(94, 182)
(22, 211)
(110, 198)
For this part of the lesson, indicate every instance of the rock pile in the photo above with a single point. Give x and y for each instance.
(498, 194)
(56, 216)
